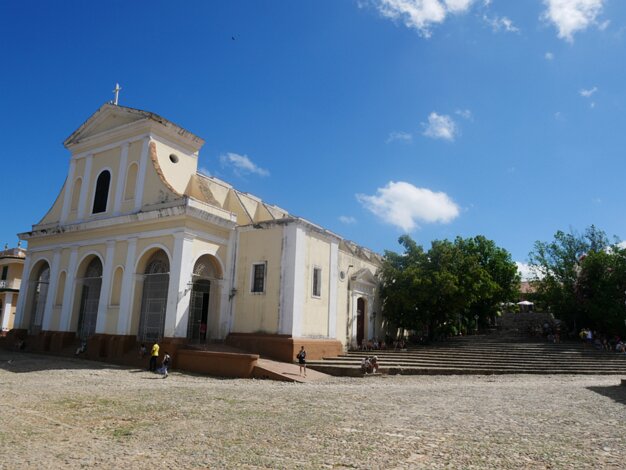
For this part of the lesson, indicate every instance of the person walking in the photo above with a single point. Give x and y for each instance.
(165, 364)
(154, 355)
(302, 360)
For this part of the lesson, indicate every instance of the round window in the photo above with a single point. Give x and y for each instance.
(342, 275)
(174, 158)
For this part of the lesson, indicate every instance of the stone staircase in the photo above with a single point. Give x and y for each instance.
(482, 355)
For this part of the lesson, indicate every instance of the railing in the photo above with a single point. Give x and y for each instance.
(10, 284)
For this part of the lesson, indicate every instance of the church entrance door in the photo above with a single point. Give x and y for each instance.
(199, 310)
(154, 298)
(90, 299)
(360, 320)
(200, 325)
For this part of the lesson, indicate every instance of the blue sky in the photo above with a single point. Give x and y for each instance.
(371, 118)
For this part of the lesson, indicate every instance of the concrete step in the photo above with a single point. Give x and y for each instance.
(482, 355)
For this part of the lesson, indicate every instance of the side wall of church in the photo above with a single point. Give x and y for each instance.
(315, 311)
(258, 312)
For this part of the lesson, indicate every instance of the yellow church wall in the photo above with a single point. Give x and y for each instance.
(109, 160)
(155, 191)
(315, 309)
(258, 312)
(134, 155)
(177, 174)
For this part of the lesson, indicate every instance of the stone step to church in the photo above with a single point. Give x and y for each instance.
(476, 355)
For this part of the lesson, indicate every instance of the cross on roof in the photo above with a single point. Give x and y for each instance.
(117, 93)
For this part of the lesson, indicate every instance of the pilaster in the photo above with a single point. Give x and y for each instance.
(52, 289)
(332, 289)
(70, 287)
(128, 289)
(105, 288)
(292, 281)
(177, 312)
(85, 187)
(67, 195)
(121, 178)
(141, 173)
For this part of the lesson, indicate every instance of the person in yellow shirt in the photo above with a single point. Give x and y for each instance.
(154, 355)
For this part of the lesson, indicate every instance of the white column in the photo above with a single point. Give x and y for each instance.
(179, 290)
(141, 173)
(21, 299)
(121, 178)
(292, 281)
(332, 289)
(105, 287)
(227, 285)
(69, 188)
(232, 311)
(85, 187)
(369, 307)
(70, 287)
(52, 289)
(355, 318)
(8, 303)
(125, 315)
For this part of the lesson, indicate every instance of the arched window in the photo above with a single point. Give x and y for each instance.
(102, 192)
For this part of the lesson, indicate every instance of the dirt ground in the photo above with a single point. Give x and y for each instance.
(65, 413)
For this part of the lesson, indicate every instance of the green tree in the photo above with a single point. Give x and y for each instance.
(448, 284)
(559, 264)
(601, 289)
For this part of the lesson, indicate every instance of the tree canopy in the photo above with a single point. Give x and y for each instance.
(446, 287)
(582, 278)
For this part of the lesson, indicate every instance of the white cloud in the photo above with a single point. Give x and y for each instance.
(549, 56)
(572, 16)
(501, 23)
(527, 272)
(348, 220)
(464, 113)
(587, 93)
(242, 164)
(401, 136)
(421, 14)
(440, 127)
(404, 205)
(204, 171)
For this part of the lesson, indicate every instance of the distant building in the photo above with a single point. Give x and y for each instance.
(11, 267)
(140, 247)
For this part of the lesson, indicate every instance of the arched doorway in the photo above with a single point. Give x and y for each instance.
(360, 320)
(40, 294)
(154, 298)
(204, 273)
(89, 299)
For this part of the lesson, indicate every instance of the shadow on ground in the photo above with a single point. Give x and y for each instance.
(23, 362)
(614, 392)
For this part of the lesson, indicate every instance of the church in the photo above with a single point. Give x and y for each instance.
(140, 247)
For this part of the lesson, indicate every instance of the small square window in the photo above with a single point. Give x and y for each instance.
(317, 282)
(258, 278)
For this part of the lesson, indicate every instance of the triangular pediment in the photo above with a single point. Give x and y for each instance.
(111, 116)
(364, 276)
(108, 117)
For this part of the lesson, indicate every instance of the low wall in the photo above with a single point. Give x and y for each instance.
(221, 364)
(284, 347)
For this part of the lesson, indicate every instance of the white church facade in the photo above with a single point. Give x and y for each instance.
(140, 247)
